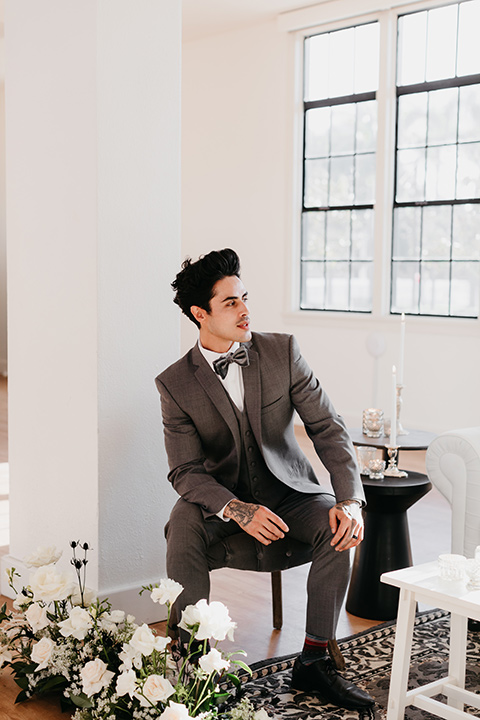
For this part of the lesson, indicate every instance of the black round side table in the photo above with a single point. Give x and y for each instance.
(386, 545)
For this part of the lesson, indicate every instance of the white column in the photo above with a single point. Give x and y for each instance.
(93, 233)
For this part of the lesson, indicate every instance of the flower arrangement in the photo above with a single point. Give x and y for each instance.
(60, 639)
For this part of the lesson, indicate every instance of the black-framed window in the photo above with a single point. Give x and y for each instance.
(436, 225)
(339, 161)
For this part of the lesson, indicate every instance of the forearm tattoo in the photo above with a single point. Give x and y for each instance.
(243, 513)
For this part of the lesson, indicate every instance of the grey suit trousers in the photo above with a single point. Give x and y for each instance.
(191, 537)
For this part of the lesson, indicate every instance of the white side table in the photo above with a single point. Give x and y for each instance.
(422, 583)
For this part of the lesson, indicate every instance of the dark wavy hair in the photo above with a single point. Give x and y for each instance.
(194, 283)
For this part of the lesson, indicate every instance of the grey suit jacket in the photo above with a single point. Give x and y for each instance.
(202, 436)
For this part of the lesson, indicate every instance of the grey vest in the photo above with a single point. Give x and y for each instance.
(256, 484)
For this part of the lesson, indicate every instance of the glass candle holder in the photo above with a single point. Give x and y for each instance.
(372, 424)
(365, 454)
(377, 469)
(452, 566)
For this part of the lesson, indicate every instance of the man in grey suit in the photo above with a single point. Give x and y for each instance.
(228, 409)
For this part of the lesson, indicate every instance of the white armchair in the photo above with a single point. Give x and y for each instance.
(453, 466)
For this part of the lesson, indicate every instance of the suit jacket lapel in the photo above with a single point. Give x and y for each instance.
(217, 393)
(253, 395)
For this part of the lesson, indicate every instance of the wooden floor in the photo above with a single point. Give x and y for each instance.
(247, 595)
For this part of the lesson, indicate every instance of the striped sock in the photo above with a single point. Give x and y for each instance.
(314, 648)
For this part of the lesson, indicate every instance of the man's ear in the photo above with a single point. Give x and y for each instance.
(198, 313)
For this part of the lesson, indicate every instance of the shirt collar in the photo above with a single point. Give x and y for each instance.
(210, 355)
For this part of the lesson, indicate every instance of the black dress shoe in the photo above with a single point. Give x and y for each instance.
(321, 678)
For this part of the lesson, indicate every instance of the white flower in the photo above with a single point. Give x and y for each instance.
(213, 662)
(213, 620)
(5, 655)
(95, 676)
(167, 592)
(156, 689)
(20, 601)
(42, 652)
(175, 711)
(129, 658)
(127, 683)
(77, 624)
(261, 715)
(36, 616)
(109, 621)
(43, 556)
(143, 640)
(89, 597)
(47, 584)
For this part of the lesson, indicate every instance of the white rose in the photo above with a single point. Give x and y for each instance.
(213, 662)
(47, 584)
(95, 676)
(175, 711)
(127, 683)
(5, 655)
(167, 592)
(156, 689)
(261, 715)
(37, 617)
(77, 624)
(43, 556)
(143, 640)
(213, 620)
(110, 621)
(42, 652)
(89, 597)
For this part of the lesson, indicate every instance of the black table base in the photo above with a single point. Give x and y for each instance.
(386, 545)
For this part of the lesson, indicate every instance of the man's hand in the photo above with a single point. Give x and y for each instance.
(346, 522)
(256, 520)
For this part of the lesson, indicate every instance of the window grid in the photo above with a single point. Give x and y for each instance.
(452, 202)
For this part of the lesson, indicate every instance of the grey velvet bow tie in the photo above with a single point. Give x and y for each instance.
(240, 357)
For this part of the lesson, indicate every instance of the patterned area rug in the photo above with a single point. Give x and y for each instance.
(368, 657)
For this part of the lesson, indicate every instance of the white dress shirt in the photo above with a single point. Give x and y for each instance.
(233, 382)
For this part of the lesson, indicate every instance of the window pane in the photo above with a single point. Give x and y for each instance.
(466, 232)
(313, 236)
(435, 288)
(441, 42)
(412, 33)
(338, 235)
(412, 120)
(316, 67)
(341, 181)
(405, 287)
(406, 233)
(469, 114)
(313, 286)
(366, 58)
(362, 234)
(337, 285)
(410, 175)
(317, 132)
(468, 181)
(468, 61)
(465, 284)
(442, 116)
(436, 233)
(316, 183)
(343, 129)
(366, 130)
(440, 179)
(341, 65)
(365, 179)
(361, 286)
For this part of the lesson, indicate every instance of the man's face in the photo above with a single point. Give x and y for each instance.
(228, 320)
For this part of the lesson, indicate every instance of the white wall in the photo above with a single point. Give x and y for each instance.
(3, 241)
(93, 198)
(237, 164)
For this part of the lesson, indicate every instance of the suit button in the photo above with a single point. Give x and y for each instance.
(248, 433)
(253, 463)
(288, 553)
(250, 448)
(255, 479)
